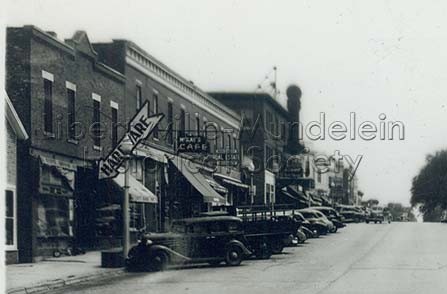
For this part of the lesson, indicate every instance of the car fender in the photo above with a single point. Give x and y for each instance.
(173, 255)
(240, 245)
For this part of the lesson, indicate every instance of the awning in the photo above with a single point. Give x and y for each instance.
(231, 181)
(152, 153)
(215, 185)
(191, 172)
(57, 177)
(237, 184)
(137, 191)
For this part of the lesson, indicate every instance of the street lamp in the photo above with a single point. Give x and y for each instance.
(126, 148)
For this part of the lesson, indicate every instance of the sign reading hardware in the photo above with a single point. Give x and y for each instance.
(139, 128)
(193, 144)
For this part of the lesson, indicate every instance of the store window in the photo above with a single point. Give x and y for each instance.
(10, 227)
(54, 216)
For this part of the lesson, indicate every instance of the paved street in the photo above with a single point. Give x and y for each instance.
(397, 258)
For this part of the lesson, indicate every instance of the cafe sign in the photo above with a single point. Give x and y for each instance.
(192, 144)
(139, 128)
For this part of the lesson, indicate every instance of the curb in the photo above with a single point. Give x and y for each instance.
(61, 283)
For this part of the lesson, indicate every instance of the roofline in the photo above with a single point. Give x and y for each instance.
(14, 119)
(266, 96)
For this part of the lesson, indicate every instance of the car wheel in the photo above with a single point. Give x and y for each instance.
(277, 247)
(159, 261)
(367, 221)
(334, 230)
(234, 256)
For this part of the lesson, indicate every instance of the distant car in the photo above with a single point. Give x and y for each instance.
(318, 221)
(375, 215)
(332, 215)
(351, 214)
(202, 239)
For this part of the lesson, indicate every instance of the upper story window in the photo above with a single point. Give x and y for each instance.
(182, 122)
(155, 105)
(198, 124)
(48, 80)
(269, 124)
(170, 118)
(114, 109)
(96, 126)
(139, 96)
(71, 109)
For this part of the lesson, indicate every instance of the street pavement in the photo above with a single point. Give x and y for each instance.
(361, 258)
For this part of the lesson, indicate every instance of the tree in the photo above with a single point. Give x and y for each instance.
(429, 187)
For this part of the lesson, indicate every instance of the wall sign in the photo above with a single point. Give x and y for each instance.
(192, 144)
(139, 128)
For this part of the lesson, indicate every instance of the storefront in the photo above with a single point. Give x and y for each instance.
(192, 189)
(55, 205)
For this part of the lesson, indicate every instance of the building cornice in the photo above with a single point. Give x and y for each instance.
(152, 68)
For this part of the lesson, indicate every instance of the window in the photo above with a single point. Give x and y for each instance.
(139, 96)
(137, 219)
(71, 110)
(114, 107)
(48, 106)
(198, 124)
(222, 142)
(169, 136)
(229, 141)
(235, 143)
(155, 131)
(96, 126)
(269, 193)
(319, 177)
(269, 122)
(268, 157)
(182, 123)
(10, 218)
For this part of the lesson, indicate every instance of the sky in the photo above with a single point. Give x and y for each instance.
(368, 57)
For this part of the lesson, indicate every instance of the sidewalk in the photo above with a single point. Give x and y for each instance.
(56, 273)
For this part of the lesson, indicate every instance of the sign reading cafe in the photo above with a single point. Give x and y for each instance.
(139, 128)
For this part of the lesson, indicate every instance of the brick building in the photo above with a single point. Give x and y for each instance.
(186, 182)
(269, 137)
(68, 102)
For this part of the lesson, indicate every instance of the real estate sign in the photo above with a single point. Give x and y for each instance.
(139, 128)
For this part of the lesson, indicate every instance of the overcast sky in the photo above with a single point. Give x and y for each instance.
(367, 57)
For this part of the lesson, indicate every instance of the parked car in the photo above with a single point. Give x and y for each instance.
(266, 235)
(201, 239)
(305, 226)
(317, 220)
(298, 233)
(351, 213)
(332, 215)
(375, 215)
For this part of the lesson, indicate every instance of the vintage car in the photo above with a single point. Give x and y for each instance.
(194, 240)
(351, 213)
(376, 215)
(318, 220)
(332, 215)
